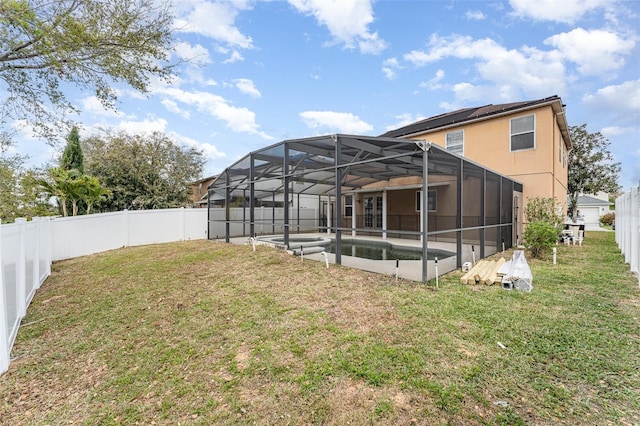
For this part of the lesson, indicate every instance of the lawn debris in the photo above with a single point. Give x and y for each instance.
(516, 273)
(484, 272)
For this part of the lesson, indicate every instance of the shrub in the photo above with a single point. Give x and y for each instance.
(543, 210)
(540, 237)
(608, 218)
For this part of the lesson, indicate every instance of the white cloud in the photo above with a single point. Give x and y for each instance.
(508, 74)
(210, 151)
(622, 100)
(144, 126)
(196, 55)
(434, 83)
(213, 19)
(237, 119)
(235, 57)
(389, 68)
(463, 47)
(565, 11)
(474, 15)
(404, 120)
(597, 52)
(173, 107)
(347, 21)
(92, 105)
(331, 121)
(28, 143)
(616, 131)
(246, 86)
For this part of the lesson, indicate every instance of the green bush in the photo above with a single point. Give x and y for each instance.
(544, 210)
(539, 237)
(608, 218)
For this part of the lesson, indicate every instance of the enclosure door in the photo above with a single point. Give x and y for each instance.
(517, 218)
(373, 211)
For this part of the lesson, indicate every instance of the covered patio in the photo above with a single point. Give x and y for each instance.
(353, 186)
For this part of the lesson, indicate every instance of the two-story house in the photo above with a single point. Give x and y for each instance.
(527, 141)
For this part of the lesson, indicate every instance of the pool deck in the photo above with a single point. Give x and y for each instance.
(408, 269)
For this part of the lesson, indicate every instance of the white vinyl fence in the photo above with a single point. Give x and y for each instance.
(628, 228)
(268, 220)
(28, 248)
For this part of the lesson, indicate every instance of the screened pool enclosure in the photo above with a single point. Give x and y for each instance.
(343, 187)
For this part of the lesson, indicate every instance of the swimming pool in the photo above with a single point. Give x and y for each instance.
(364, 249)
(379, 250)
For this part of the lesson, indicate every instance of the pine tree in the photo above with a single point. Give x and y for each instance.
(72, 157)
(72, 161)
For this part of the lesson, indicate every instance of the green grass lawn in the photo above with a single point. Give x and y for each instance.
(209, 333)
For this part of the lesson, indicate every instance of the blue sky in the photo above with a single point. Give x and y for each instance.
(264, 71)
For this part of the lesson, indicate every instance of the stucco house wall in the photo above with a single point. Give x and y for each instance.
(487, 141)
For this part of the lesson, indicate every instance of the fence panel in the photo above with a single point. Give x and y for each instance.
(87, 234)
(628, 228)
(25, 262)
(95, 233)
(10, 278)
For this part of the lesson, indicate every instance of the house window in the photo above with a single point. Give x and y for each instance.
(523, 133)
(432, 200)
(455, 142)
(348, 205)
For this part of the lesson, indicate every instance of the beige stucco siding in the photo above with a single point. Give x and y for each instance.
(541, 170)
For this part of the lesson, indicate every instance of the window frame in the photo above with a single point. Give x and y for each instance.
(432, 194)
(348, 204)
(512, 134)
(446, 142)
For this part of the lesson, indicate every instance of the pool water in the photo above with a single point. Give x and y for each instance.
(384, 251)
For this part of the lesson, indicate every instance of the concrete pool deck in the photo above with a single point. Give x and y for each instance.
(408, 269)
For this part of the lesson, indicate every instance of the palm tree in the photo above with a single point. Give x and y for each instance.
(92, 191)
(65, 185)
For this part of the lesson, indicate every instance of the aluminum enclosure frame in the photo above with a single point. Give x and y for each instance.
(334, 165)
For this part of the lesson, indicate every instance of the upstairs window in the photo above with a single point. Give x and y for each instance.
(455, 142)
(523, 133)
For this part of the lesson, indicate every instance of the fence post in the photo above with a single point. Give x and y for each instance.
(35, 222)
(182, 218)
(49, 244)
(4, 336)
(125, 228)
(21, 267)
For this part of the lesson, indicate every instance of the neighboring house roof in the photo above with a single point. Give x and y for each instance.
(196, 182)
(486, 112)
(586, 200)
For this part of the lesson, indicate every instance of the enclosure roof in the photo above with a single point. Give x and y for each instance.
(312, 164)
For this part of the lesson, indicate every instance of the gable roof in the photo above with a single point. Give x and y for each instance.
(586, 200)
(468, 115)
